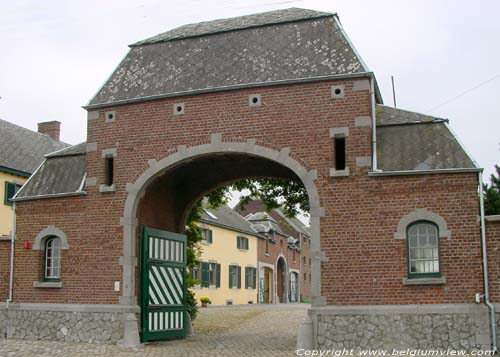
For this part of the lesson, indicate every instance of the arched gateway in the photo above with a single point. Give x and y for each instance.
(230, 161)
(396, 244)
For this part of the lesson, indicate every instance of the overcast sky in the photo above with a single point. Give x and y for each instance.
(56, 54)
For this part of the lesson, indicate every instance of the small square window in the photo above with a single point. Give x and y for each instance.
(11, 189)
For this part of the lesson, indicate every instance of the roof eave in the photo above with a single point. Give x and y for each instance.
(15, 172)
(425, 172)
(229, 88)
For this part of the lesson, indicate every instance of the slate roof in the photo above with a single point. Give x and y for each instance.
(262, 48)
(22, 149)
(61, 173)
(228, 218)
(413, 141)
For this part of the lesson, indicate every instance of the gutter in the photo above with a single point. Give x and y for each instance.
(487, 301)
(425, 172)
(374, 124)
(50, 195)
(228, 88)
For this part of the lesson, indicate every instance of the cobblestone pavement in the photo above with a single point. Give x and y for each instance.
(259, 330)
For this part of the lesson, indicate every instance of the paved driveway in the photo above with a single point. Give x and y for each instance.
(259, 330)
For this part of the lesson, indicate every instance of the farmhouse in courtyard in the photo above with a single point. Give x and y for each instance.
(397, 235)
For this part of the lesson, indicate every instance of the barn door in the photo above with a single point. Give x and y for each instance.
(163, 284)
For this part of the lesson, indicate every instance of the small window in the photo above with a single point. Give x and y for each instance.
(250, 278)
(305, 276)
(423, 250)
(11, 189)
(206, 235)
(210, 275)
(195, 273)
(108, 170)
(293, 253)
(339, 143)
(242, 243)
(234, 276)
(52, 259)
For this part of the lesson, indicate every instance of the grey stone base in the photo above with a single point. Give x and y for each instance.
(458, 327)
(65, 322)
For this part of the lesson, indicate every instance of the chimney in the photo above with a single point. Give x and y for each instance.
(50, 128)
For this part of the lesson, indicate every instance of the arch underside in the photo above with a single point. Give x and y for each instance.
(170, 196)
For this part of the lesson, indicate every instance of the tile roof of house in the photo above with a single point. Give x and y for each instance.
(62, 173)
(228, 218)
(22, 149)
(413, 141)
(291, 44)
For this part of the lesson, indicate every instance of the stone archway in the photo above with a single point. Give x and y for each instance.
(182, 154)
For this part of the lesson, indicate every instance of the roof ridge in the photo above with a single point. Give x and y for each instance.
(32, 131)
(162, 37)
(411, 111)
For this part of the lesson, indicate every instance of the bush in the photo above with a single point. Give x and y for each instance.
(205, 300)
(191, 307)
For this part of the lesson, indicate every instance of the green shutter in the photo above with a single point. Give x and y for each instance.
(247, 276)
(230, 277)
(217, 275)
(10, 191)
(254, 278)
(239, 277)
(205, 275)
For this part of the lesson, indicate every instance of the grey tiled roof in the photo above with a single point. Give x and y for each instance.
(234, 23)
(254, 49)
(22, 149)
(62, 172)
(413, 141)
(229, 218)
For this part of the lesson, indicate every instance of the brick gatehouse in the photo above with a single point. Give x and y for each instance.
(396, 239)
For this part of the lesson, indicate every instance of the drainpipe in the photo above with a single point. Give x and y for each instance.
(374, 123)
(487, 302)
(12, 240)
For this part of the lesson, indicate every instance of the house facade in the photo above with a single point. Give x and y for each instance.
(288, 239)
(21, 152)
(396, 244)
(227, 270)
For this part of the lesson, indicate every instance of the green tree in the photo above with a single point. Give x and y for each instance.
(492, 194)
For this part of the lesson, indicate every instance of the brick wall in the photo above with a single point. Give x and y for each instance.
(4, 268)
(493, 245)
(366, 264)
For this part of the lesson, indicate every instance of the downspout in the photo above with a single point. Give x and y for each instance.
(374, 123)
(487, 302)
(12, 240)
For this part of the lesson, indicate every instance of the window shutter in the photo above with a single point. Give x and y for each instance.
(10, 191)
(239, 277)
(205, 275)
(247, 276)
(254, 278)
(230, 276)
(217, 276)
(209, 236)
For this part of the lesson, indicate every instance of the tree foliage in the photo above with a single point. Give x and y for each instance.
(492, 194)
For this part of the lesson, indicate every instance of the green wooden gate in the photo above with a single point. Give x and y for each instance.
(163, 285)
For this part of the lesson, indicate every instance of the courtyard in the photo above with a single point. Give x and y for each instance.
(250, 330)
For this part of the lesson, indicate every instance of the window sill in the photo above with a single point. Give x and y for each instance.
(48, 284)
(339, 173)
(424, 281)
(212, 287)
(205, 242)
(243, 250)
(267, 254)
(106, 188)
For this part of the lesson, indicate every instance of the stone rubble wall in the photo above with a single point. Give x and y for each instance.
(467, 330)
(70, 326)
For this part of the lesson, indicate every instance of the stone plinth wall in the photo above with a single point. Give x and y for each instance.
(73, 323)
(458, 327)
